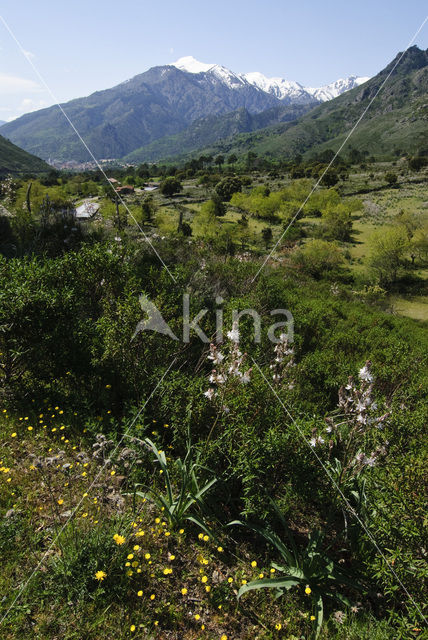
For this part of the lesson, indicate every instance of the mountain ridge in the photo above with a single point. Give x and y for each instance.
(395, 123)
(162, 101)
(277, 86)
(16, 161)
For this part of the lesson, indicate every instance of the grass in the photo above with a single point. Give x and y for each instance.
(153, 582)
(155, 579)
(415, 307)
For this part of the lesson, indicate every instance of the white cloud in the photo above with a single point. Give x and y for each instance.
(26, 106)
(13, 84)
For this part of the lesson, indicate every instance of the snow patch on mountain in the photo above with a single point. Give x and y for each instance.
(279, 87)
(226, 76)
(191, 65)
(334, 89)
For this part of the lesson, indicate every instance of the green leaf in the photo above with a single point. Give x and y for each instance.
(319, 616)
(269, 583)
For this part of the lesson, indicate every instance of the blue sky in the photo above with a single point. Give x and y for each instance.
(83, 46)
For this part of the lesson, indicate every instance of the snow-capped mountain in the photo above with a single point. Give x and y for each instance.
(164, 101)
(279, 87)
(330, 91)
(216, 71)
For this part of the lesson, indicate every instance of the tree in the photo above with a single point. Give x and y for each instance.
(388, 247)
(416, 163)
(251, 159)
(219, 208)
(232, 158)
(213, 208)
(319, 258)
(267, 235)
(419, 245)
(228, 186)
(148, 209)
(337, 218)
(337, 223)
(391, 178)
(219, 160)
(330, 178)
(143, 171)
(169, 186)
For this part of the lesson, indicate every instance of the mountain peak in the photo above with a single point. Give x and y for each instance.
(279, 87)
(191, 65)
(336, 88)
(409, 60)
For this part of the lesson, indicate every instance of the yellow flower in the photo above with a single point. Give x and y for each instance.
(223, 637)
(136, 547)
(172, 557)
(132, 627)
(100, 575)
(201, 536)
(278, 626)
(13, 435)
(254, 564)
(60, 501)
(130, 556)
(181, 531)
(152, 597)
(243, 582)
(230, 580)
(308, 590)
(118, 539)
(183, 591)
(272, 570)
(220, 549)
(204, 579)
(312, 618)
(147, 556)
(207, 588)
(139, 593)
(206, 538)
(197, 616)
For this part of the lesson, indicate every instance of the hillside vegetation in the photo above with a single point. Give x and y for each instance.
(16, 161)
(228, 489)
